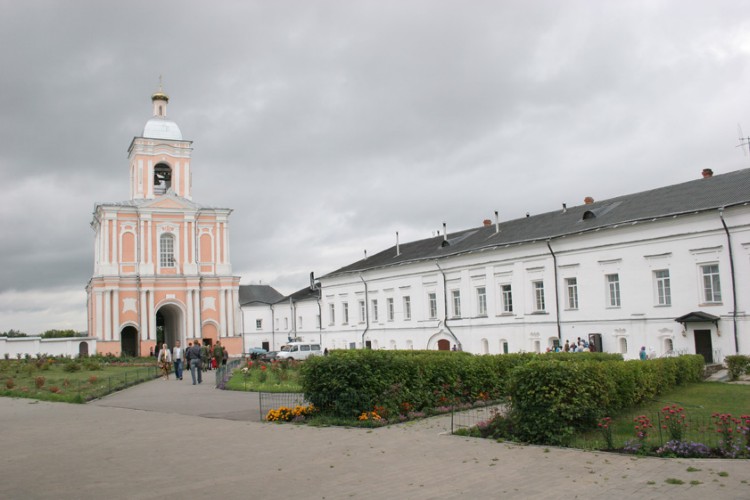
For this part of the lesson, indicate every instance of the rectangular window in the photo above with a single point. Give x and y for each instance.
(346, 313)
(663, 289)
(507, 299)
(711, 283)
(432, 300)
(391, 309)
(456, 300)
(481, 301)
(613, 290)
(299, 322)
(258, 324)
(166, 251)
(331, 314)
(362, 312)
(539, 304)
(407, 308)
(571, 284)
(374, 310)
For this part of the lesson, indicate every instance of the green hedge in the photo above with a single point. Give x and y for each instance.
(737, 365)
(347, 383)
(551, 399)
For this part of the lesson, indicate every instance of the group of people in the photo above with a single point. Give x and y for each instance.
(199, 358)
(580, 345)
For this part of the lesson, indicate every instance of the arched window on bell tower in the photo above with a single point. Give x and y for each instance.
(162, 178)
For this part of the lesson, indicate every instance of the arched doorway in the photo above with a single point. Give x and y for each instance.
(129, 341)
(444, 345)
(83, 350)
(168, 325)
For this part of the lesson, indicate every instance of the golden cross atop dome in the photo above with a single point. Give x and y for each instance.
(159, 94)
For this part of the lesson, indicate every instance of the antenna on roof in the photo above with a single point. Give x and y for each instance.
(744, 141)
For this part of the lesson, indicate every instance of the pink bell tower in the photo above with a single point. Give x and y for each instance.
(162, 271)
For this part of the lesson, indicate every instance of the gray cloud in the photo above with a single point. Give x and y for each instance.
(329, 125)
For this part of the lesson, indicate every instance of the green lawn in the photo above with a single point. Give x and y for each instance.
(698, 401)
(49, 380)
(267, 377)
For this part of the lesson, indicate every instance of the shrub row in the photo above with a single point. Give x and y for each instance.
(348, 383)
(551, 399)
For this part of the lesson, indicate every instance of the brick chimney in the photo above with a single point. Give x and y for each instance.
(588, 200)
(707, 172)
(487, 222)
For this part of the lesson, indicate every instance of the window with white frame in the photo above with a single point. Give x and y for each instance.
(481, 301)
(507, 294)
(711, 283)
(539, 304)
(663, 288)
(456, 301)
(571, 286)
(258, 324)
(166, 250)
(374, 309)
(391, 309)
(331, 314)
(362, 312)
(613, 290)
(432, 301)
(407, 307)
(346, 312)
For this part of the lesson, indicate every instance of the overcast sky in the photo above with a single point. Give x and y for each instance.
(327, 126)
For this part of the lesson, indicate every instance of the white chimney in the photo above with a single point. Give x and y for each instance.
(398, 249)
(497, 222)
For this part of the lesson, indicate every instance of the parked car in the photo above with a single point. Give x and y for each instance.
(255, 352)
(268, 356)
(299, 351)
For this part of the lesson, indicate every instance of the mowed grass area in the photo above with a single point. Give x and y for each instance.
(278, 376)
(698, 401)
(71, 381)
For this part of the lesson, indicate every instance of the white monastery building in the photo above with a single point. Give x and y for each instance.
(162, 268)
(668, 269)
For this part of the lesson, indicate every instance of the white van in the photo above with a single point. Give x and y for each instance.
(299, 351)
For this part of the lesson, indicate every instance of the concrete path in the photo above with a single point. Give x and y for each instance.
(170, 439)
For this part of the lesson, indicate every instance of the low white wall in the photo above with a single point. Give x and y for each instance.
(34, 346)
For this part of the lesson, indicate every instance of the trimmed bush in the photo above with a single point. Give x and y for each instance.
(552, 399)
(349, 383)
(737, 365)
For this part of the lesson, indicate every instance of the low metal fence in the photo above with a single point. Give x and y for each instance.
(224, 372)
(462, 418)
(273, 400)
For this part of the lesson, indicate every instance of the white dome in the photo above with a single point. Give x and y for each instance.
(161, 128)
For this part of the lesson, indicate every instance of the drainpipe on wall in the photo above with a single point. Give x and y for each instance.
(734, 286)
(445, 307)
(273, 329)
(367, 311)
(320, 315)
(557, 294)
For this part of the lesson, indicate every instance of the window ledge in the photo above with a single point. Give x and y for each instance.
(710, 304)
(540, 312)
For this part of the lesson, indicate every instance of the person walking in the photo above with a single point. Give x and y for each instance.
(218, 353)
(177, 357)
(204, 358)
(193, 356)
(165, 360)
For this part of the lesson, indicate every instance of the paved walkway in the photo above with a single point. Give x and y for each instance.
(172, 439)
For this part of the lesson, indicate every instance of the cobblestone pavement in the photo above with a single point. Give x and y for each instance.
(167, 438)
